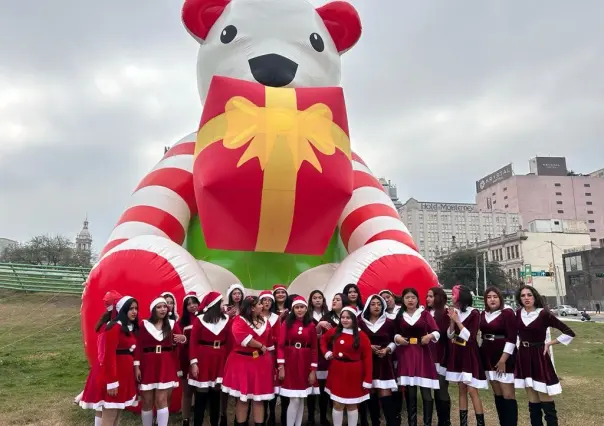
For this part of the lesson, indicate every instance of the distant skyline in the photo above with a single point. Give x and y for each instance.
(439, 94)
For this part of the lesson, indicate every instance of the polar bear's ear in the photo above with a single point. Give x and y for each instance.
(343, 23)
(200, 15)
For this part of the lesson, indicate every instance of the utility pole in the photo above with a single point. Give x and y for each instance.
(477, 274)
(484, 270)
(551, 244)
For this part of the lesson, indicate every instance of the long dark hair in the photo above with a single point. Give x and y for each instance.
(104, 319)
(333, 314)
(495, 290)
(122, 317)
(355, 332)
(464, 299)
(405, 292)
(291, 318)
(324, 308)
(165, 327)
(231, 302)
(367, 313)
(346, 301)
(286, 305)
(538, 298)
(214, 314)
(440, 301)
(185, 319)
(246, 310)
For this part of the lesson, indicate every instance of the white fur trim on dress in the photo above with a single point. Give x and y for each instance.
(212, 303)
(565, 339)
(98, 406)
(152, 386)
(205, 385)
(440, 369)
(113, 385)
(555, 389)
(244, 398)
(247, 340)
(348, 401)
(464, 334)
(467, 379)
(418, 381)
(321, 375)
(299, 393)
(493, 376)
(328, 355)
(384, 384)
(509, 348)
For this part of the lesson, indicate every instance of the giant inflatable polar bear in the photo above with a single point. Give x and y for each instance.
(268, 190)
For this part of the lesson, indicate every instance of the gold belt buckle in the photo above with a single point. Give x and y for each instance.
(255, 354)
(298, 345)
(216, 344)
(158, 349)
(413, 340)
(458, 341)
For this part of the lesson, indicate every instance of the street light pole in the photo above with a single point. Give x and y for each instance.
(484, 270)
(551, 243)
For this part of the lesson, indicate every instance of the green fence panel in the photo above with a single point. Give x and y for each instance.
(42, 278)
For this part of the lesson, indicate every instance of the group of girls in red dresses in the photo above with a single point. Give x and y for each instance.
(361, 356)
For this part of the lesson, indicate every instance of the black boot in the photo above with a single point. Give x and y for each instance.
(185, 422)
(272, 404)
(535, 414)
(499, 405)
(387, 403)
(201, 399)
(510, 407)
(363, 413)
(549, 412)
(411, 400)
(259, 424)
(284, 405)
(374, 409)
(311, 402)
(479, 419)
(446, 414)
(214, 398)
(463, 417)
(397, 406)
(323, 404)
(428, 409)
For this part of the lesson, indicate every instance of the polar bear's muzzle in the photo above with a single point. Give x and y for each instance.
(273, 70)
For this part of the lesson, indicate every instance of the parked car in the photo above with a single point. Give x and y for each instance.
(564, 310)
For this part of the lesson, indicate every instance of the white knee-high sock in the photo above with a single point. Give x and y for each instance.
(300, 413)
(162, 417)
(353, 417)
(337, 417)
(98, 421)
(292, 411)
(147, 418)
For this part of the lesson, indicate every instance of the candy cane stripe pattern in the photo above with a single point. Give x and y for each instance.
(370, 214)
(163, 202)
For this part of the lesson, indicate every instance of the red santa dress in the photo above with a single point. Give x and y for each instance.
(297, 351)
(322, 363)
(440, 349)
(464, 363)
(533, 369)
(381, 333)
(499, 335)
(415, 366)
(114, 370)
(350, 373)
(247, 368)
(157, 364)
(209, 349)
(275, 323)
(183, 352)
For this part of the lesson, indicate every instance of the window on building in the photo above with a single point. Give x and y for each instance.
(601, 242)
(505, 188)
(573, 263)
(494, 201)
(590, 212)
(516, 250)
(558, 202)
(558, 193)
(594, 239)
(508, 252)
(506, 206)
(586, 185)
(560, 211)
(589, 203)
(591, 221)
(557, 185)
(500, 254)
(592, 230)
(588, 194)
(505, 198)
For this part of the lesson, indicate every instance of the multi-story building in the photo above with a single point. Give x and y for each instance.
(5, 243)
(390, 189)
(438, 225)
(533, 257)
(549, 191)
(584, 277)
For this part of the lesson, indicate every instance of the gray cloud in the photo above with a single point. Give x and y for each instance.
(439, 94)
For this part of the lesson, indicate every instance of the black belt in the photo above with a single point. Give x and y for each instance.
(254, 354)
(298, 345)
(531, 344)
(493, 336)
(158, 349)
(123, 352)
(216, 344)
(345, 359)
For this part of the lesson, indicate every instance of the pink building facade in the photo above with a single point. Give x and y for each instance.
(550, 197)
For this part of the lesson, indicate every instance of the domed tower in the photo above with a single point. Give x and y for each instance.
(84, 239)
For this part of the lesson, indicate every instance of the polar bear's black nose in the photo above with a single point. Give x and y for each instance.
(273, 70)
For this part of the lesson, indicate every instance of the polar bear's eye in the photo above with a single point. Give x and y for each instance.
(316, 42)
(228, 34)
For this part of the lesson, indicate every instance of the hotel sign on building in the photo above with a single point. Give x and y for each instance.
(495, 177)
(448, 207)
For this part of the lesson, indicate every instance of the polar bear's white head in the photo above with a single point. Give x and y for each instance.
(278, 43)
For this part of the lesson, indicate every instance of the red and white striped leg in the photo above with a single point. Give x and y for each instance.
(383, 254)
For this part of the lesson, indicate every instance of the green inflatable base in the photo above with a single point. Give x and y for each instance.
(261, 271)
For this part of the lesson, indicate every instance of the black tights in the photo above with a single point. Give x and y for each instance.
(442, 394)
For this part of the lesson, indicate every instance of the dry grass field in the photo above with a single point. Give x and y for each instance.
(42, 368)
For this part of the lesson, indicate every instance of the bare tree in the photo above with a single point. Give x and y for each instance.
(47, 250)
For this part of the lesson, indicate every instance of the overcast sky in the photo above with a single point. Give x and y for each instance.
(439, 93)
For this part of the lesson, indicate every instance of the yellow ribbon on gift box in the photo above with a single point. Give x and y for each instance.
(281, 137)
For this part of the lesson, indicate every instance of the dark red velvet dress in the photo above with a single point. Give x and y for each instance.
(440, 349)
(381, 334)
(499, 334)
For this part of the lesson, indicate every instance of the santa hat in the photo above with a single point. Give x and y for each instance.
(233, 287)
(209, 300)
(157, 302)
(168, 294)
(299, 300)
(120, 303)
(266, 294)
(353, 311)
(187, 296)
(386, 291)
(110, 298)
(279, 287)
